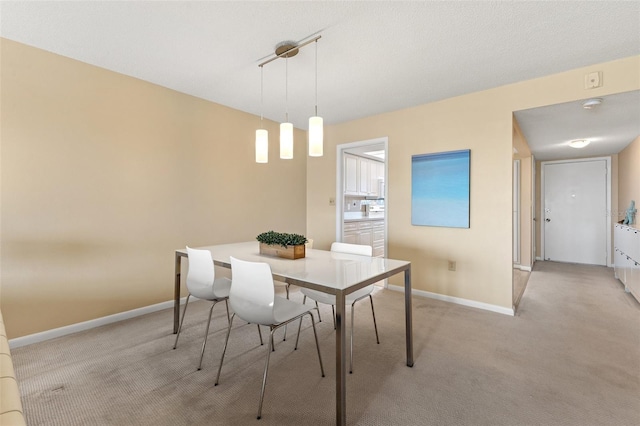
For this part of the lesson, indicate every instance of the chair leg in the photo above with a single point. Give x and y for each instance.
(285, 326)
(333, 313)
(295, 348)
(315, 334)
(266, 370)
(375, 326)
(304, 300)
(184, 311)
(224, 349)
(206, 334)
(260, 334)
(226, 302)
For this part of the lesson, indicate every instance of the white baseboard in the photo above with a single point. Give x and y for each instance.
(457, 300)
(539, 258)
(522, 267)
(86, 325)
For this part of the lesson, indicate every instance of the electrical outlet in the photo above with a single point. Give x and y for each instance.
(332, 201)
(452, 265)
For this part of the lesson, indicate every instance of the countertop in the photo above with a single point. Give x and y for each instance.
(360, 217)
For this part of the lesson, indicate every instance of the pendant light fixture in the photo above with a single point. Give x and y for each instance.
(262, 135)
(286, 50)
(286, 128)
(315, 123)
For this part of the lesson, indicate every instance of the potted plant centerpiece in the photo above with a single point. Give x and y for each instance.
(280, 244)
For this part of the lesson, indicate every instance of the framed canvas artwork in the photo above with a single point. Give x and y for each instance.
(440, 189)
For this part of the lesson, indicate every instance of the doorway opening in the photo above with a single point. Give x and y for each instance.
(361, 188)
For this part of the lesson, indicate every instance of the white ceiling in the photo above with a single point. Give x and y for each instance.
(373, 57)
(609, 127)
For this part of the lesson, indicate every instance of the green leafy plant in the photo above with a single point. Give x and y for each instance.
(280, 238)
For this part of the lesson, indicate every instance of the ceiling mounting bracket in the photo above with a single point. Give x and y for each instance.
(288, 49)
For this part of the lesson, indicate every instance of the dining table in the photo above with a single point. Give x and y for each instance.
(334, 273)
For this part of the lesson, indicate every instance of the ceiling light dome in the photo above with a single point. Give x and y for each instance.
(591, 103)
(579, 143)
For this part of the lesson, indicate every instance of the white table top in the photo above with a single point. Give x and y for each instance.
(319, 269)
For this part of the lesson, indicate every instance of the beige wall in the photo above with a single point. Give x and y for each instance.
(104, 176)
(481, 122)
(629, 179)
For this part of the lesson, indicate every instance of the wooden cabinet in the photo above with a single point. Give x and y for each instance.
(366, 232)
(362, 175)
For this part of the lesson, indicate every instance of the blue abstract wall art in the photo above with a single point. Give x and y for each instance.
(440, 189)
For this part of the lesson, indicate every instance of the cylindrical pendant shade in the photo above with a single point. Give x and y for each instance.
(262, 146)
(316, 133)
(286, 141)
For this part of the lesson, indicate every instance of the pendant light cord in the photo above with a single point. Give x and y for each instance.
(316, 77)
(286, 89)
(262, 91)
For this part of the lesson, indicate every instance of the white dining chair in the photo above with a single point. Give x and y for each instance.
(352, 298)
(203, 284)
(252, 298)
(308, 245)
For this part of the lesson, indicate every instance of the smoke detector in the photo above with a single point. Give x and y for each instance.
(591, 103)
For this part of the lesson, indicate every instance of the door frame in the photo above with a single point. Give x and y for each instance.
(516, 212)
(607, 207)
(340, 150)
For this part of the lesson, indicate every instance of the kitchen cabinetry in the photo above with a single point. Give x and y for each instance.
(364, 170)
(362, 176)
(626, 240)
(376, 176)
(366, 232)
(377, 232)
(351, 175)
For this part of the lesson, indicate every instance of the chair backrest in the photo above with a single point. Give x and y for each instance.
(360, 249)
(201, 271)
(252, 293)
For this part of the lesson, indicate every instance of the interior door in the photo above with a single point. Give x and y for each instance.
(575, 206)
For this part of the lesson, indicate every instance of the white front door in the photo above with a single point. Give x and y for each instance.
(575, 211)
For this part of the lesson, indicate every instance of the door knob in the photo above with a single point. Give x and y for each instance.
(548, 220)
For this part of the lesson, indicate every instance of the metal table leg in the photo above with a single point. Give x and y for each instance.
(176, 295)
(408, 315)
(341, 362)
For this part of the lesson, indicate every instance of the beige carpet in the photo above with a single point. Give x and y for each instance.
(571, 356)
(520, 279)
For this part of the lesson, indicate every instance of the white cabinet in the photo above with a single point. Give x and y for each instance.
(362, 176)
(378, 237)
(364, 172)
(351, 175)
(626, 240)
(376, 176)
(366, 232)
